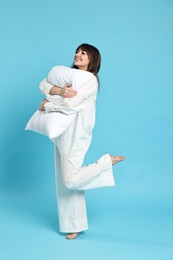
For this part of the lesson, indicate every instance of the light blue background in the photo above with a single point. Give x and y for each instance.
(134, 118)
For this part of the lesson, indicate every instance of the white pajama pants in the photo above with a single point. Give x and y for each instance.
(70, 186)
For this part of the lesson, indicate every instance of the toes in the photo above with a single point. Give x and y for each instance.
(121, 157)
(116, 159)
(72, 236)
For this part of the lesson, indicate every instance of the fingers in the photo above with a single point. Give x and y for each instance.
(69, 92)
(41, 107)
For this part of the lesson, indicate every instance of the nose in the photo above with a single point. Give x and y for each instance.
(78, 53)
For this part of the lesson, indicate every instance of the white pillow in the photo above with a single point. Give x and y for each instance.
(53, 124)
(62, 75)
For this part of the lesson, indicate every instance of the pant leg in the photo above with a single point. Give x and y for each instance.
(95, 175)
(71, 203)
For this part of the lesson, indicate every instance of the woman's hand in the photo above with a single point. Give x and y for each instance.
(41, 107)
(66, 92)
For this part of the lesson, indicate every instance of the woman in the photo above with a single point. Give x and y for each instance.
(70, 148)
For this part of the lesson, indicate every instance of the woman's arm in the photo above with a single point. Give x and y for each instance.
(49, 89)
(71, 105)
(45, 87)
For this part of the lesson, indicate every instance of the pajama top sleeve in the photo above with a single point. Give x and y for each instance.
(75, 104)
(45, 87)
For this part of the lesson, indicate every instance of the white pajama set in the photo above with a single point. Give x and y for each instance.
(70, 148)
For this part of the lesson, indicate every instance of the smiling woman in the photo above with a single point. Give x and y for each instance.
(81, 60)
(70, 147)
(88, 58)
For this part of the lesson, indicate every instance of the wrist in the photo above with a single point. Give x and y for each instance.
(55, 91)
(61, 92)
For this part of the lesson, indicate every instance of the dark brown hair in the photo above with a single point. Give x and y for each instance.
(93, 55)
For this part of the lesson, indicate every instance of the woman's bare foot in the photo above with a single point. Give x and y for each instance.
(116, 159)
(72, 236)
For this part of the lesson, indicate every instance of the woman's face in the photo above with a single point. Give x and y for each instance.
(81, 59)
